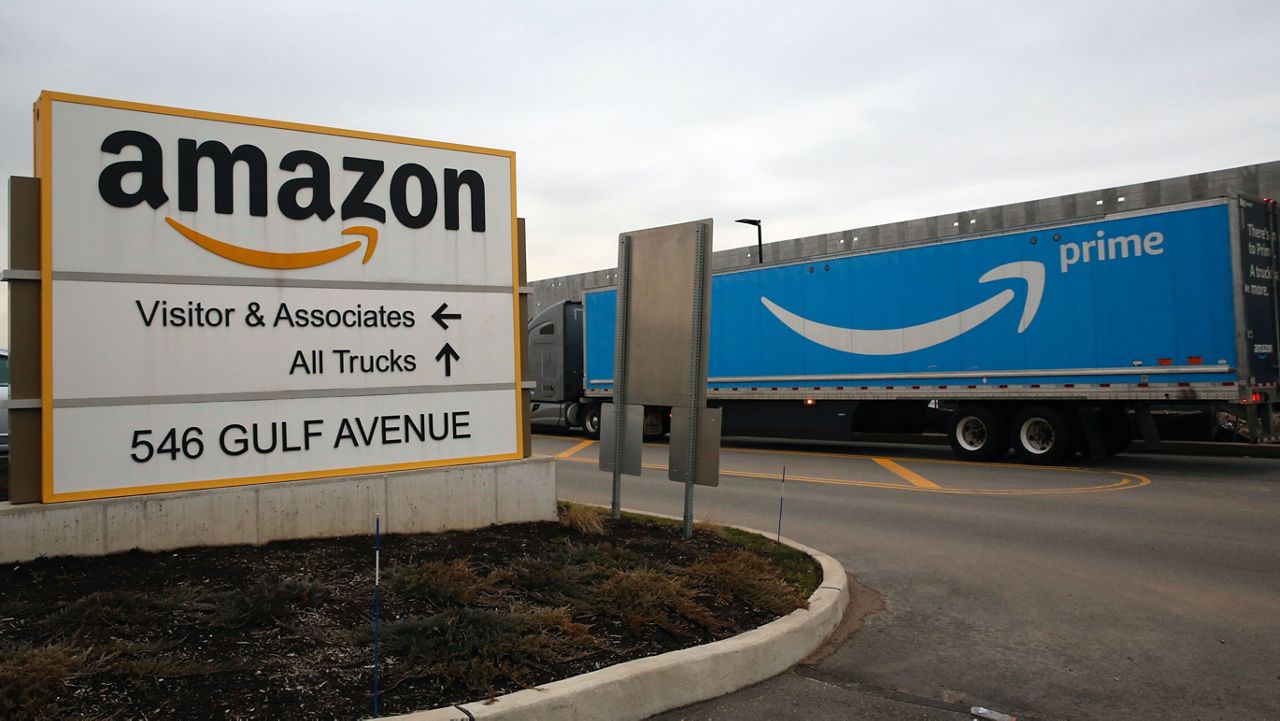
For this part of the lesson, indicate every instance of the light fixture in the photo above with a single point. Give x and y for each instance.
(759, 236)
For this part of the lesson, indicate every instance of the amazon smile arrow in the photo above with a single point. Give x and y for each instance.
(895, 341)
(280, 261)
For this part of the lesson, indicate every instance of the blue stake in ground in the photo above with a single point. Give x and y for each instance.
(377, 604)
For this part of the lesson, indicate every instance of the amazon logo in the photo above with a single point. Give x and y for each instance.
(897, 341)
(306, 193)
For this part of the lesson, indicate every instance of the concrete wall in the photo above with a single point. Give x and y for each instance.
(425, 501)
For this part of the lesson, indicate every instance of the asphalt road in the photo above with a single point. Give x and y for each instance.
(1144, 587)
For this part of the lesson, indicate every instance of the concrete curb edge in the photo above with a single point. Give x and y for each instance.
(644, 687)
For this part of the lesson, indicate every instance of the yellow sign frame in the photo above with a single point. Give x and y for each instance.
(43, 124)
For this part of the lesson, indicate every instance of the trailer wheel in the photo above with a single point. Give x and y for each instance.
(591, 421)
(977, 434)
(1041, 435)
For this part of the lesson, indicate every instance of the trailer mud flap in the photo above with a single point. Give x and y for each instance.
(1094, 444)
(1147, 427)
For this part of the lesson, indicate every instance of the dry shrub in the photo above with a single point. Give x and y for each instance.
(149, 667)
(30, 678)
(110, 608)
(604, 555)
(799, 569)
(566, 574)
(584, 520)
(551, 620)
(481, 648)
(445, 584)
(749, 578)
(554, 583)
(268, 601)
(709, 524)
(646, 597)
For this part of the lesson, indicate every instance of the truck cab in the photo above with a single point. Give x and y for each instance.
(555, 360)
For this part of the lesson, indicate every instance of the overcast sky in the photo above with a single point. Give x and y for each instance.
(814, 116)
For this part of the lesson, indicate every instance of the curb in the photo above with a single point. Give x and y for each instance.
(647, 686)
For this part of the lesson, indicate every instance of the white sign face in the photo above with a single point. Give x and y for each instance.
(230, 300)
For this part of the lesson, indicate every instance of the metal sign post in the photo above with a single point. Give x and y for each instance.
(620, 365)
(697, 368)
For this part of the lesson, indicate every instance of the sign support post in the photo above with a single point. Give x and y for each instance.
(23, 277)
(620, 366)
(697, 369)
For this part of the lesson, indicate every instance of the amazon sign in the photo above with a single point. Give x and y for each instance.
(229, 300)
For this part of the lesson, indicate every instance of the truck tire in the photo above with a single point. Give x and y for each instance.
(1040, 435)
(591, 421)
(573, 415)
(976, 433)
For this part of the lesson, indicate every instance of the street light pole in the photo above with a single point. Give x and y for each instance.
(759, 236)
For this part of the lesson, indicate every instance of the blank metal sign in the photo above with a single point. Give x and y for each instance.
(661, 313)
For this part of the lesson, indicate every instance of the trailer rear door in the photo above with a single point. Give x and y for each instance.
(1257, 242)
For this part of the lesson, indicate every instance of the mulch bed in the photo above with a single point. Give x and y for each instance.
(285, 630)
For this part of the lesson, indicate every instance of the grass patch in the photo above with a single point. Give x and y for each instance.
(653, 520)
(584, 520)
(798, 568)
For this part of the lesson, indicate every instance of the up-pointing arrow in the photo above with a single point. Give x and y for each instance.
(449, 355)
(440, 316)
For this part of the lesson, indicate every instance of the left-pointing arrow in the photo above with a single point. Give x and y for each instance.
(440, 316)
(449, 355)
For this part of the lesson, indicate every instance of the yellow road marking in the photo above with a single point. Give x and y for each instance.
(1127, 481)
(907, 475)
(936, 461)
(571, 451)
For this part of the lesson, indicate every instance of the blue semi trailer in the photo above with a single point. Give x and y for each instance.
(1047, 340)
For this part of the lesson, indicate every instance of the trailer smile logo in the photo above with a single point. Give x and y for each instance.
(896, 341)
